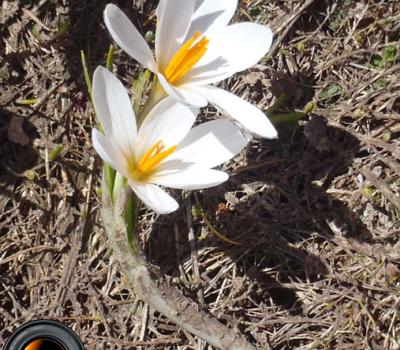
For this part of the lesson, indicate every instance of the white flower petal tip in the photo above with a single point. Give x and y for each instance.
(113, 107)
(248, 115)
(271, 132)
(193, 179)
(154, 197)
(211, 15)
(241, 45)
(128, 37)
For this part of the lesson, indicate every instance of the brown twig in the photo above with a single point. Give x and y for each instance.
(153, 289)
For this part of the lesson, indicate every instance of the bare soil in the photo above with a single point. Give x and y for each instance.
(316, 213)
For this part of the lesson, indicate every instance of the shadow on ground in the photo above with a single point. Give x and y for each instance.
(17, 156)
(280, 201)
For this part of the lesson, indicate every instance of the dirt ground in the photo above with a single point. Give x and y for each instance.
(316, 213)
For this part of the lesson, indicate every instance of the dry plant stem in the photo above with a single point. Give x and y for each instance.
(156, 291)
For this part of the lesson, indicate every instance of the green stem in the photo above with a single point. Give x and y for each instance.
(131, 219)
(277, 104)
(119, 185)
(290, 117)
(109, 176)
(130, 208)
(110, 58)
(86, 74)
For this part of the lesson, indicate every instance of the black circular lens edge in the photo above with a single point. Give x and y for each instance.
(43, 322)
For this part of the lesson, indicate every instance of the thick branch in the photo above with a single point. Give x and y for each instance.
(156, 292)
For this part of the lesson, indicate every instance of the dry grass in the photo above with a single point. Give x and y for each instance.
(316, 212)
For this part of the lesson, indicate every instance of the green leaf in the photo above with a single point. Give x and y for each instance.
(278, 104)
(333, 90)
(310, 107)
(254, 11)
(386, 58)
(28, 101)
(55, 152)
(380, 84)
(291, 117)
(86, 74)
(109, 175)
(330, 93)
(389, 54)
(377, 61)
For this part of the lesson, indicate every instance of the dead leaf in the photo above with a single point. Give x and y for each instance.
(392, 272)
(15, 131)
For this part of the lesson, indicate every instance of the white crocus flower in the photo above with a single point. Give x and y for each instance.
(195, 47)
(165, 150)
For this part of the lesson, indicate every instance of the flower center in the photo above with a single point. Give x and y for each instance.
(185, 58)
(150, 160)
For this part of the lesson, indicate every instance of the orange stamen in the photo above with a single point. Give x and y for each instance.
(150, 160)
(185, 58)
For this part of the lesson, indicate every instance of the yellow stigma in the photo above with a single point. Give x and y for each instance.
(150, 160)
(185, 58)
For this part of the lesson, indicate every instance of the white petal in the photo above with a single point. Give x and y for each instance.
(128, 37)
(207, 73)
(210, 144)
(231, 49)
(197, 4)
(154, 197)
(109, 152)
(114, 108)
(244, 112)
(173, 23)
(242, 44)
(211, 15)
(182, 94)
(192, 179)
(169, 122)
